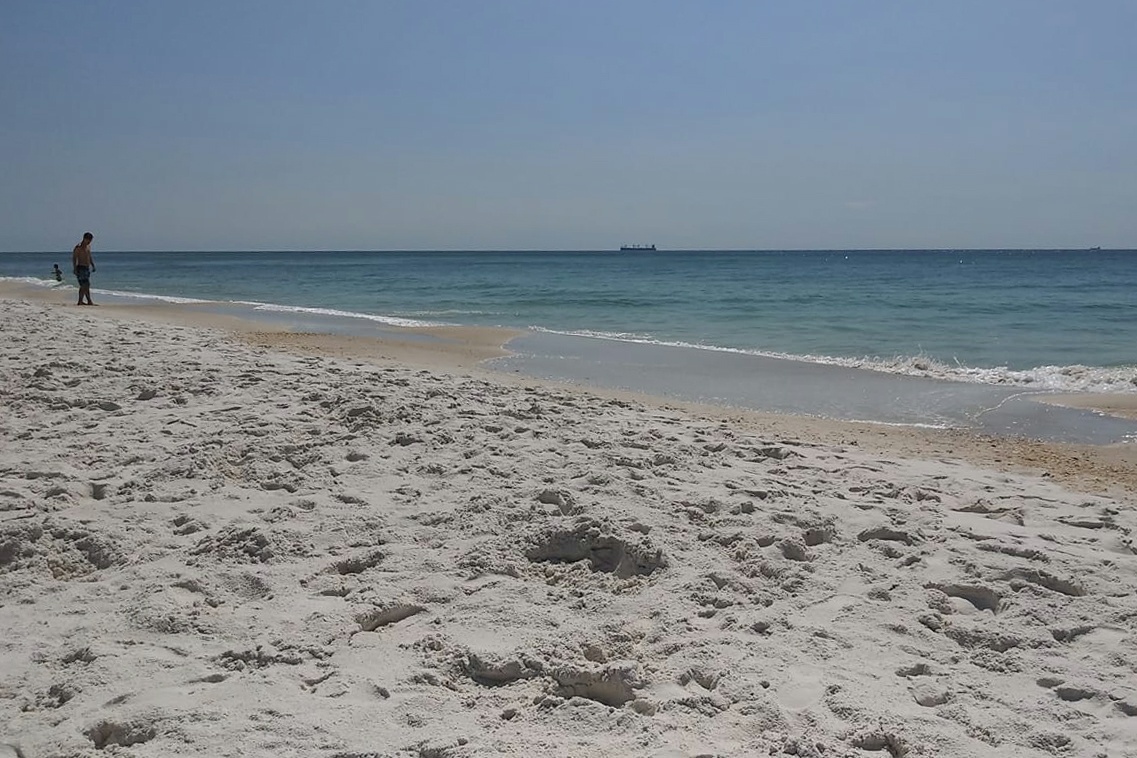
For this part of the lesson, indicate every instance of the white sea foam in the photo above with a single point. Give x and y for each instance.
(33, 280)
(51, 283)
(1076, 378)
(453, 312)
(254, 305)
(160, 298)
(389, 320)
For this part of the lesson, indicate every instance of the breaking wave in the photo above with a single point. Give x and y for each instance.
(1075, 378)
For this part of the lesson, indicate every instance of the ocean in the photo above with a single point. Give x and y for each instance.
(1055, 320)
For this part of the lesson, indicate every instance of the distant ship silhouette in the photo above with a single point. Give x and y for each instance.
(626, 248)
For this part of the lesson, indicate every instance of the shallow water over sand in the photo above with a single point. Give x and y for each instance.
(797, 387)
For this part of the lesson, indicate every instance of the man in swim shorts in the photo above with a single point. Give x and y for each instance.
(83, 264)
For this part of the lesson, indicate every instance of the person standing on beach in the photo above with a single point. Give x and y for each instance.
(83, 264)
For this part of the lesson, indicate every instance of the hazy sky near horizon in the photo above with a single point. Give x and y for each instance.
(543, 124)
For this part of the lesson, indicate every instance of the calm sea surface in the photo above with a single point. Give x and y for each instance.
(1038, 318)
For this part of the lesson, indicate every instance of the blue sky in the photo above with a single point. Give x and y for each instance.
(534, 124)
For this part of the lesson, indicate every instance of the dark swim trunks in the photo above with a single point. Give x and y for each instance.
(83, 274)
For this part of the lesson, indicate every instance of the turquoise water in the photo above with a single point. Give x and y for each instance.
(1039, 318)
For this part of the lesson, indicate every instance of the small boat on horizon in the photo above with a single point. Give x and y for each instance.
(629, 248)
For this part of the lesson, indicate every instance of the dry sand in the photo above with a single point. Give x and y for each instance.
(240, 544)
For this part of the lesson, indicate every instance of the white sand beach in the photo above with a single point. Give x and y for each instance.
(220, 543)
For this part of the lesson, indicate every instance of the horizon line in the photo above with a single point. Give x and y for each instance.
(605, 250)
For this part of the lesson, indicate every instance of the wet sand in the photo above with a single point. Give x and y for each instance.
(1122, 406)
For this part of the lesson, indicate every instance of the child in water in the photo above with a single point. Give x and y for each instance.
(57, 273)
